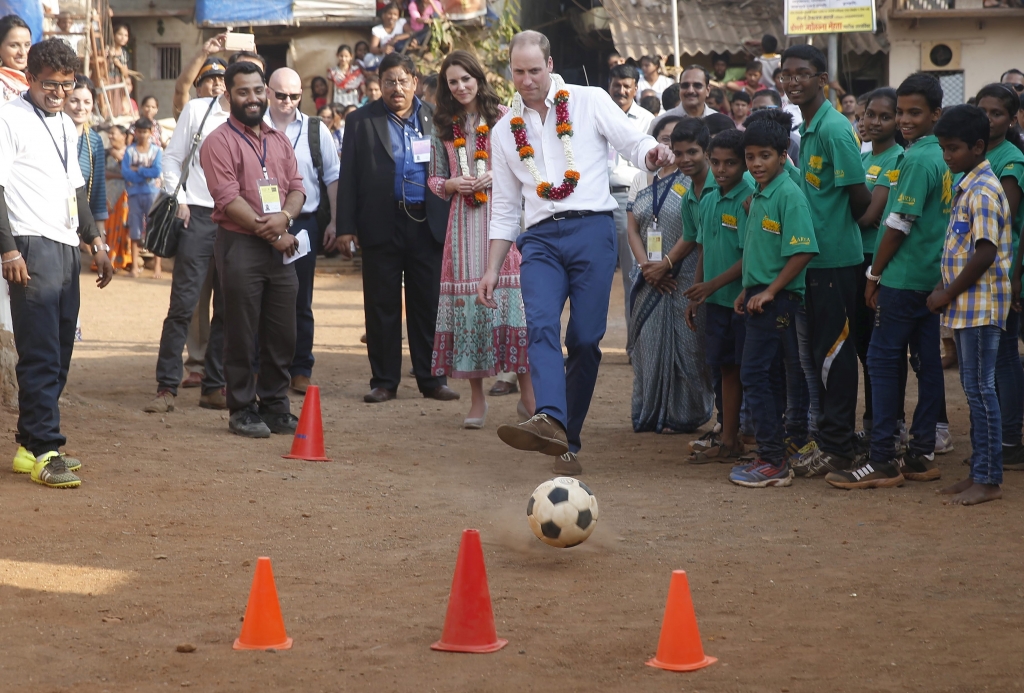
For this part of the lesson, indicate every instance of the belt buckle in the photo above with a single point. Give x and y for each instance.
(555, 217)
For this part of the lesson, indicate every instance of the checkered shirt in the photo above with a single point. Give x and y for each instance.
(980, 211)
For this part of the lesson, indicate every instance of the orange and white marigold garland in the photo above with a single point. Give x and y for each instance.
(563, 126)
(480, 158)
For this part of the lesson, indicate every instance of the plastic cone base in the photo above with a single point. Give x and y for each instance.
(263, 626)
(308, 443)
(653, 662)
(679, 645)
(469, 621)
(239, 645)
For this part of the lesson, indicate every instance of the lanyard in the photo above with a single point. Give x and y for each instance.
(262, 159)
(42, 119)
(296, 142)
(659, 201)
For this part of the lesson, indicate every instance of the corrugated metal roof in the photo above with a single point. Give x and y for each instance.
(644, 27)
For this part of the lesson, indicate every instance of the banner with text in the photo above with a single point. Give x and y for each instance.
(829, 16)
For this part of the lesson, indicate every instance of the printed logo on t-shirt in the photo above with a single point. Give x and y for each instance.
(679, 189)
(771, 226)
(947, 187)
(872, 173)
(815, 163)
(839, 173)
(799, 240)
(813, 180)
(729, 221)
(906, 200)
(894, 177)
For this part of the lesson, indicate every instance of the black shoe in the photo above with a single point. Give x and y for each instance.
(247, 423)
(281, 423)
(1013, 458)
(920, 467)
(869, 475)
(819, 462)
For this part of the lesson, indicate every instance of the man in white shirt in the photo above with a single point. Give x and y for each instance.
(44, 213)
(193, 260)
(569, 247)
(694, 88)
(285, 87)
(622, 87)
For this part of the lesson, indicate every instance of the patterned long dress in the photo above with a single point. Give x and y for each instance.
(470, 340)
(672, 390)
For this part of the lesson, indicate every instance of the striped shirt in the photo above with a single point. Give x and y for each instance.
(980, 212)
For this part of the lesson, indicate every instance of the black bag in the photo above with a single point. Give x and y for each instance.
(323, 212)
(163, 227)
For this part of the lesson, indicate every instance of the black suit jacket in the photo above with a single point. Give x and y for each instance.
(366, 188)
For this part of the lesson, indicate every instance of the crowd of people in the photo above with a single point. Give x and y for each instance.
(769, 253)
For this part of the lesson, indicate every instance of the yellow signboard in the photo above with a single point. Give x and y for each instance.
(829, 16)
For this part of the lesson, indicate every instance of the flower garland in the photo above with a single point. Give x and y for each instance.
(480, 157)
(563, 126)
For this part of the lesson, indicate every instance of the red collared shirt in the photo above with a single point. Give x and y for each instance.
(231, 162)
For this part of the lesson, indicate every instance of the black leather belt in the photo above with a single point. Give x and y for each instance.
(571, 214)
(306, 215)
(402, 205)
(620, 188)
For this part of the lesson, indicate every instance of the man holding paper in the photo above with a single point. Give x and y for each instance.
(257, 195)
(285, 93)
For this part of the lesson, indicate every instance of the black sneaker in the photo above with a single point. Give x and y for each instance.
(818, 462)
(920, 467)
(248, 423)
(1013, 458)
(869, 475)
(283, 424)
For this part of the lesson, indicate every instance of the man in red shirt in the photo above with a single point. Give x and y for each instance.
(257, 193)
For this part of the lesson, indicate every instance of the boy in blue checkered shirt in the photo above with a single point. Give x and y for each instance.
(974, 293)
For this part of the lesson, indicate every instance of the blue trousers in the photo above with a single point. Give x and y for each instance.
(904, 322)
(570, 259)
(977, 348)
(305, 270)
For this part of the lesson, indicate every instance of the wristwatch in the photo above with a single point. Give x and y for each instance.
(872, 277)
(291, 219)
(96, 248)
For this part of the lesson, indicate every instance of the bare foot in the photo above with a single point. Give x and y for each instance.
(977, 493)
(158, 275)
(958, 487)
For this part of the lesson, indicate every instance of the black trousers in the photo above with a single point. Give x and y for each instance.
(44, 314)
(831, 303)
(305, 270)
(413, 253)
(259, 300)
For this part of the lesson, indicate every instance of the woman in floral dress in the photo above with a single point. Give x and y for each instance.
(473, 341)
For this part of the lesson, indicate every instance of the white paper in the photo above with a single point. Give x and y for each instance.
(303, 238)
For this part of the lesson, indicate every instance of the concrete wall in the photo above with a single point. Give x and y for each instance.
(145, 38)
(989, 47)
(312, 53)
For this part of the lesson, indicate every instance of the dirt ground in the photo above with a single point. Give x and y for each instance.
(801, 589)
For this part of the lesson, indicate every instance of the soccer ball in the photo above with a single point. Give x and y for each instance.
(562, 512)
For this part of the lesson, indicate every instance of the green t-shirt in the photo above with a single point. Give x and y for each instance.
(691, 207)
(876, 172)
(830, 162)
(922, 186)
(792, 170)
(778, 226)
(721, 219)
(1008, 162)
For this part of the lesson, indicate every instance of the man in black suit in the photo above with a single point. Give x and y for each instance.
(384, 203)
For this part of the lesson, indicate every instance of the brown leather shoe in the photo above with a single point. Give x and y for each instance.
(443, 394)
(378, 395)
(163, 402)
(217, 399)
(300, 384)
(539, 434)
(567, 465)
(192, 380)
(502, 388)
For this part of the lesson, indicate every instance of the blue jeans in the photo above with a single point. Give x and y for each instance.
(903, 321)
(567, 259)
(762, 371)
(978, 348)
(1010, 381)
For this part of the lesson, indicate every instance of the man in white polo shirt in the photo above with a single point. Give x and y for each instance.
(285, 92)
(44, 213)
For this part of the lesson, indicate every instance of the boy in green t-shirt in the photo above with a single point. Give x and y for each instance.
(695, 137)
(717, 283)
(778, 243)
(904, 270)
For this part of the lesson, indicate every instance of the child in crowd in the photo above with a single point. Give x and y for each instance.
(141, 171)
(371, 89)
(717, 283)
(390, 31)
(904, 270)
(149, 108)
(740, 108)
(318, 87)
(716, 99)
(346, 78)
(770, 61)
(752, 84)
(778, 243)
(974, 294)
(366, 60)
(652, 103)
(1001, 103)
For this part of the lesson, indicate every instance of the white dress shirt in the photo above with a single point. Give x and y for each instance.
(597, 122)
(297, 133)
(622, 172)
(35, 181)
(196, 192)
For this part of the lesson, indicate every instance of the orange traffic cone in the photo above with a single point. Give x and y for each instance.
(469, 623)
(308, 443)
(263, 627)
(679, 648)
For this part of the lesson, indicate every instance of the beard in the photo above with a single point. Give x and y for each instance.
(250, 120)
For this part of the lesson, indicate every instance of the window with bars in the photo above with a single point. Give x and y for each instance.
(168, 62)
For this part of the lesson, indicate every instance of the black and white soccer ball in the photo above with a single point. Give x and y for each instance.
(562, 512)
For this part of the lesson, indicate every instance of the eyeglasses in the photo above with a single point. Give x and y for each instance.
(405, 83)
(51, 85)
(696, 86)
(281, 96)
(1016, 87)
(802, 77)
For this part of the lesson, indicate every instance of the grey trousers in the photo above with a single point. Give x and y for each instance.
(259, 300)
(626, 259)
(199, 329)
(191, 265)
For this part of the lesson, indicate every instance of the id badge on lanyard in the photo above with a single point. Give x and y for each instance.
(270, 195)
(421, 150)
(654, 243)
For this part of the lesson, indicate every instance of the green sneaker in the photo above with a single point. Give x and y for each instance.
(51, 470)
(24, 461)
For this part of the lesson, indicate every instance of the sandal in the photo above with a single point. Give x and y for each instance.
(705, 442)
(718, 453)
